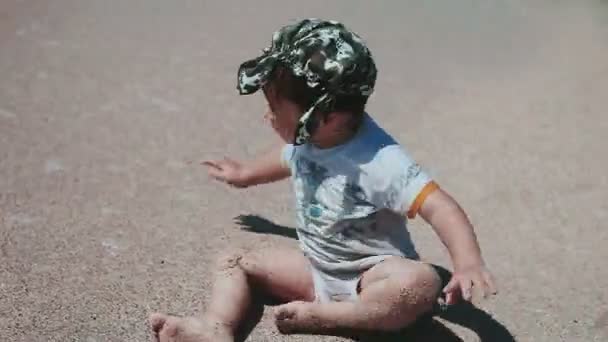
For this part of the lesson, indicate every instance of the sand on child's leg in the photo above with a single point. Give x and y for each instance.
(281, 273)
(393, 295)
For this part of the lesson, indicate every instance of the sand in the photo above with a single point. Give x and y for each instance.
(103, 103)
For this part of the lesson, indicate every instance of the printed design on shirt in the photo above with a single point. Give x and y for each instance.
(312, 176)
(326, 199)
(354, 197)
(412, 172)
(403, 182)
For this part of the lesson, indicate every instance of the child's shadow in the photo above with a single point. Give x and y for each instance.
(259, 225)
(427, 328)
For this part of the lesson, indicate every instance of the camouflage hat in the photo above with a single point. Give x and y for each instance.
(331, 58)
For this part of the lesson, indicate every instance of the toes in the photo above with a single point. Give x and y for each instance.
(295, 317)
(284, 312)
(169, 330)
(164, 327)
(286, 318)
(157, 320)
(287, 326)
(172, 329)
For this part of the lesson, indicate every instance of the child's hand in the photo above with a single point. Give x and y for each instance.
(467, 279)
(228, 171)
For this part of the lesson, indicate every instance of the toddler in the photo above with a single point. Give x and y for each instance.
(355, 188)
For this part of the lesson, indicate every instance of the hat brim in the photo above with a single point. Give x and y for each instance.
(255, 73)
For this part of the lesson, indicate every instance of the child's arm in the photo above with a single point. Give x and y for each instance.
(452, 226)
(266, 168)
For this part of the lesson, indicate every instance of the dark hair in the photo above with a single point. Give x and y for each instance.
(296, 90)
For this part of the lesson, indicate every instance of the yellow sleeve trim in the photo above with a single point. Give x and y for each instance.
(426, 191)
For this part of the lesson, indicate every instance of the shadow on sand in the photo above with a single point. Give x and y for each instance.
(428, 328)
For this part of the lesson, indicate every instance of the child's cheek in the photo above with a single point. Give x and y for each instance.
(280, 131)
(286, 135)
(280, 128)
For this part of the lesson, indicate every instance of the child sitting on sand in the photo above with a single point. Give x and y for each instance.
(355, 187)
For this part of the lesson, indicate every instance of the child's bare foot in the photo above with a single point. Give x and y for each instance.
(296, 317)
(175, 329)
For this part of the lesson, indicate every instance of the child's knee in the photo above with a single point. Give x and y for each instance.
(419, 286)
(415, 292)
(424, 279)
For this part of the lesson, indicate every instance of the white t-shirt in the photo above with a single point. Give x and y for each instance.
(351, 200)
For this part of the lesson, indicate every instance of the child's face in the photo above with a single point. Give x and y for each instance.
(282, 114)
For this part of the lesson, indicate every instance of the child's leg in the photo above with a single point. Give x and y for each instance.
(393, 294)
(281, 273)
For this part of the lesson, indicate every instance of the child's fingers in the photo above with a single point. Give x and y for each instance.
(451, 291)
(451, 286)
(491, 284)
(450, 298)
(465, 287)
(211, 164)
(216, 173)
(479, 285)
